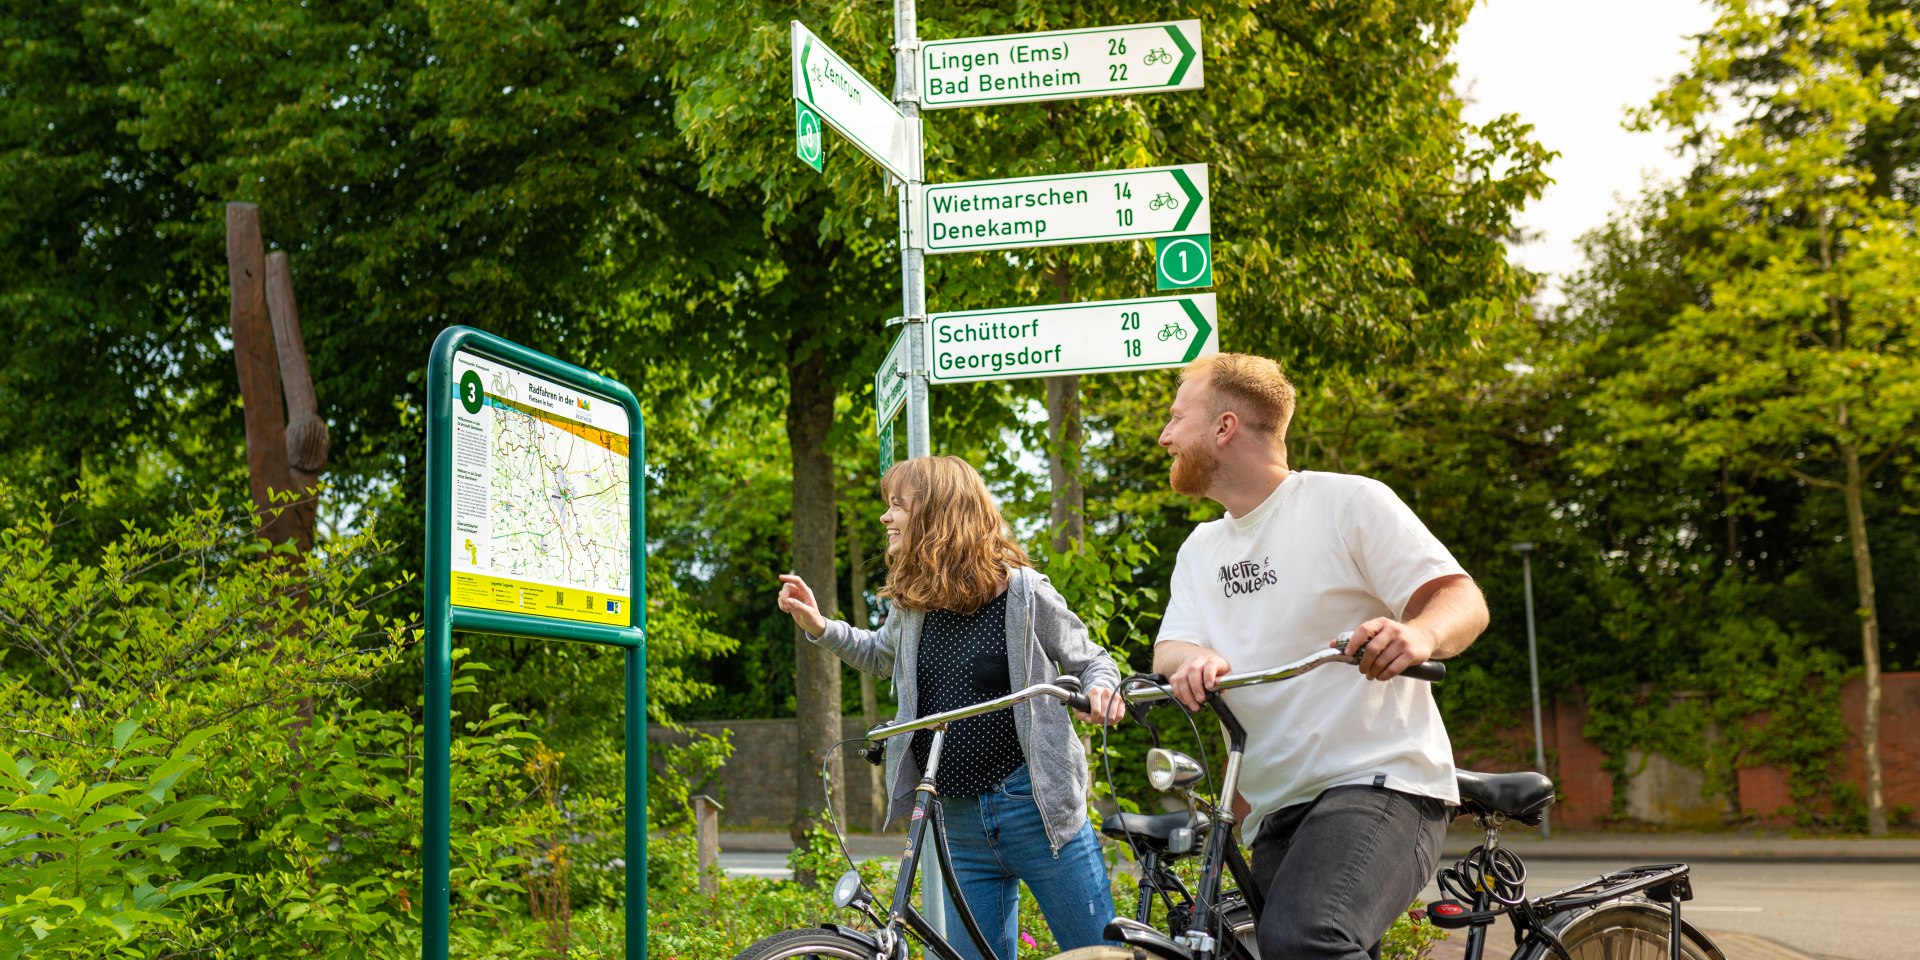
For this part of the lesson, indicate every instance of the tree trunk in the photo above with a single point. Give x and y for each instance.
(1855, 493)
(1068, 518)
(258, 368)
(816, 672)
(869, 692)
(1068, 521)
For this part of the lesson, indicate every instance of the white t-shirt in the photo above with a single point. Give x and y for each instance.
(1323, 554)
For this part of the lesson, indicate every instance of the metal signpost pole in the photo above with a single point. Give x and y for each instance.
(1525, 550)
(913, 254)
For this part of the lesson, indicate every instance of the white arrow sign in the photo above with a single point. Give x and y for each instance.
(1068, 208)
(890, 384)
(824, 81)
(1062, 64)
(1112, 335)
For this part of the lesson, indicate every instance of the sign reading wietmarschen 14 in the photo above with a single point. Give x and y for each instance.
(1066, 208)
(824, 81)
(1062, 64)
(1071, 338)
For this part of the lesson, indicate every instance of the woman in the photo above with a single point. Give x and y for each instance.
(972, 620)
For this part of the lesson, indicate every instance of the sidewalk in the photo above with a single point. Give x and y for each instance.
(1564, 845)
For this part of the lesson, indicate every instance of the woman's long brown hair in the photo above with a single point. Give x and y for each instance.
(955, 550)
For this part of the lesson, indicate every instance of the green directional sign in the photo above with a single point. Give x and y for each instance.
(1181, 262)
(886, 447)
(1067, 208)
(890, 384)
(825, 82)
(809, 140)
(1061, 64)
(1072, 338)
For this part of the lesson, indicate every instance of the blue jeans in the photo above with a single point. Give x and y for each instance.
(998, 841)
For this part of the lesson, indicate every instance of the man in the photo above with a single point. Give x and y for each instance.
(1348, 773)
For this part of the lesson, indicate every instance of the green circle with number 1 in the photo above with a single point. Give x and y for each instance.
(472, 395)
(1183, 262)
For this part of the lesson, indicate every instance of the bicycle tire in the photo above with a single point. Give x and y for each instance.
(791, 944)
(1627, 929)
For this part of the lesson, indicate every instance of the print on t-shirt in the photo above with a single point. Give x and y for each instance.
(1244, 577)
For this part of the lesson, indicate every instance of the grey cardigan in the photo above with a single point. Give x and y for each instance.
(1041, 632)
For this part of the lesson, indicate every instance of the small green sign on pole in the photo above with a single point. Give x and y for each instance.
(808, 144)
(886, 446)
(1181, 262)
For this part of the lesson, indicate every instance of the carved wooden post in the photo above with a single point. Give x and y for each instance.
(706, 841)
(259, 370)
(306, 435)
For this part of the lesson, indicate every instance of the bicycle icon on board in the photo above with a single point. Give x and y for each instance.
(1158, 55)
(1173, 331)
(1164, 201)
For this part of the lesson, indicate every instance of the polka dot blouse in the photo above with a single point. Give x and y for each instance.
(963, 661)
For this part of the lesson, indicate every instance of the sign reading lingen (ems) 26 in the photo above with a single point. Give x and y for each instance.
(851, 105)
(1062, 64)
(1008, 343)
(1066, 208)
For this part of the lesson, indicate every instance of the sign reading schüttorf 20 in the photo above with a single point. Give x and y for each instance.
(1064, 208)
(1070, 338)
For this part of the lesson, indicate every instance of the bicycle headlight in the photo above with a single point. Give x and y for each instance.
(1171, 770)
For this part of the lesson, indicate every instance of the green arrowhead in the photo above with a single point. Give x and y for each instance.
(1193, 198)
(806, 78)
(1186, 56)
(1201, 329)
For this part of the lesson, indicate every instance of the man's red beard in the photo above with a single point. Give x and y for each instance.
(1192, 471)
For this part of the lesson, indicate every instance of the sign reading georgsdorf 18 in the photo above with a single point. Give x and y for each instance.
(1064, 208)
(1062, 64)
(542, 520)
(1072, 338)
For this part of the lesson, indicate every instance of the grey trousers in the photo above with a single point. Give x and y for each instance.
(1338, 870)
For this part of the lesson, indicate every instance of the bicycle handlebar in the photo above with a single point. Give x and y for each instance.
(1430, 671)
(1065, 689)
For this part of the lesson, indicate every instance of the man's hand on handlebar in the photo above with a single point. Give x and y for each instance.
(1387, 647)
(1198, 669)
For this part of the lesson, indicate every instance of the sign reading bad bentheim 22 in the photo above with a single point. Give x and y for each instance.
(1065, 208)
(1062, 64)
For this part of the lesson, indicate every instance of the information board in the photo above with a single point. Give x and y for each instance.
(541, 501)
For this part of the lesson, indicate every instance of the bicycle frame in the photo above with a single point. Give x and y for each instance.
(920, 831)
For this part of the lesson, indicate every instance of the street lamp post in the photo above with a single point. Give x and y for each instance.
(1525, 550)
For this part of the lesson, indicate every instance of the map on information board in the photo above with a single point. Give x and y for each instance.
(542, 519)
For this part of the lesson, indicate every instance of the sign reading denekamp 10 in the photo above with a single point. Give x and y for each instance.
(1065, 208)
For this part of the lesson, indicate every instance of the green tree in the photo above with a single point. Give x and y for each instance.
(1799, 360)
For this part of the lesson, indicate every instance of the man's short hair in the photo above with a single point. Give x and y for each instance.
(1250, 386)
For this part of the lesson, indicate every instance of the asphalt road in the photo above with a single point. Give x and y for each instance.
(1845, 911)
(1831, 911)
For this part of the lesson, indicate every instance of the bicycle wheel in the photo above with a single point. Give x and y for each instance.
(792, 944)
(1623, 930)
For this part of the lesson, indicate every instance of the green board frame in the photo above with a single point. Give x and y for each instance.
(442, 618)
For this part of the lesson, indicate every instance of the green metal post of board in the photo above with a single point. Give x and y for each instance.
(596, 422)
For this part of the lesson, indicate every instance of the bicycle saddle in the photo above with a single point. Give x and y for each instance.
(1146, 832)
(1517, 796)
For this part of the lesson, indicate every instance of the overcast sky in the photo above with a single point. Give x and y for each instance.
(1572, 68)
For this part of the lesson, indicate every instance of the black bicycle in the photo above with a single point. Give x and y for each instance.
(926, 830)
(1631, 914)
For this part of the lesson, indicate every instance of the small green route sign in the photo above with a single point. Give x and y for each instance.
(1062, 64)
(1064, 208)
(1072, 338)
(886, 447)
(890, 383)
(824, 81)
(809, 140)
(1181, 262)
(535, 528)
